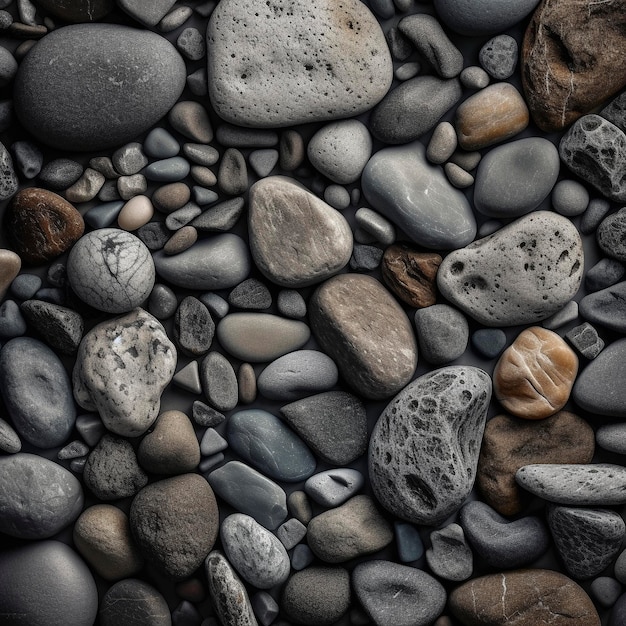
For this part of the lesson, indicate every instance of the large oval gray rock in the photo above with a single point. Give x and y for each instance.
(424, 448)
(363, 328)
(340, 66)
(27, 508)
(44, 584)
(37, 392)
(520, 274)
(96, 86)
(416, 195)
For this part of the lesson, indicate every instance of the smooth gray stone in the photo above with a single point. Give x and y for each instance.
(8, 178)
(515, 178)
(354, 529)
(612, 437)
(160, 144)
(430, 40)
(567, 314)
(615, 111)
(474, 77)
(217, 262)
(188, 378)
(291, 304)
(450, 557)
(183, 216)
(251, 294)
(103, 215)
(407, 71)
(297, 374)
(600, 484)
(45, 583)
(237, 137)
(73, 450)
(489, 342)
(333, 487)
(376, 225)
(263, 161)
(587, 540)
(12, 323)
(333, 424)
(257, 554)
(376, 584)
(162, 302)
(24, 286)
(595, 150)
(8, 67)
(291, 533)
(299, 506)
(409, 542)
(133, 601)
(605, 273)
(148, 14)
(264, 441)
(301, 557)
(193, 327)
(28, 158)
(611, 235)
(62, 328)
(585, 339)
(442, 144)
(219, 382)
(107, 84)
(415, 195)
(413, 108)
(212, 443)
(220, 217)
(232, 176)
(265, 608)
(206, 416)
(365, 258)
(90, 428)
(201, 154)
(423, 451)
(529, 278)
(337, 197)
(570, 198)
(26, 509)
(167, 170)
(9, 439)
(217, 306)
(442, 333)
(595, 213)
(599, 387)
(191, 44)
(249, 492)
(500, 542)
(605, 591)
(203, 196)
(37, 392)
(498, 57)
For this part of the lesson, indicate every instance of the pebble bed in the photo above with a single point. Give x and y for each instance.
(312, 313)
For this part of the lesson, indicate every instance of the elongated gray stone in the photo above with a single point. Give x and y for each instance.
(424, 448)
(414, 194)
(606, 307)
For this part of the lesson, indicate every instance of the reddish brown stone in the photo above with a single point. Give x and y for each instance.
(572, 59)
(510, 443)
(42, 225)
(411, 275)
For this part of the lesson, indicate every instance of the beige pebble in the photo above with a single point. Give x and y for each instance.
(170, 198)
(191, 120)
(203, 176)
(137, 212)
(181, 240)
(10, 265)
(246, 380)
(458, 176)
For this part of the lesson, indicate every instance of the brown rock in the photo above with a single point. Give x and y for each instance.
(524, 598)
(494, 114)
(535, 374)
(10, 265)
(363, 328)
(572, 59)
(411, 275)
(168, 198)
(510, 443)
(42, 225)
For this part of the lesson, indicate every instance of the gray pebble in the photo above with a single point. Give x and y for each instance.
(24, 286)
(193, 327)
(219, 382)
(474, 77)
(233, 173)
(291, 304)
(442, 333)
(167, 170)
(291, 533)
(605, 307)
(206, 416)
(605, 590)
(498, 57)
(488, 228)
(8, 67)
(109, 193)
(407, 71)
(60, 174)
(162, 302)
(377, 225)
(334, 487)
(183, 216)
(149, 15)
(9, 439)
(90, 428)
(8, 179)
(570, 198)
(612, 437)
(160, 144)
(181, 240)
(175, 19)
(130, 186)
(171, 197)
(129, 159)
(620, 567)
(132, 599)
(611, 235)
(203, 175)
(489, 342)
(188, 378)
(212, 442)
(567, 314)
(62, 328)
(300, 506)
(251, 294)
(408, 541)
(191, 44)
(192, 121)
(154, 235)
(595, 213)
(12, 322)
(365, 258)
(220, 217)
(218, 307)
(73, 450)
(246, 379)
(467, 160)
(400, 47)
(28, 158)
(605, 273)
(442, 144)
(450, 557)
(263, 161)
(337, 197)
(585, 340)
(104, 165)
(291, 150)
(383, 8)
(231, 136)
(458, 177)
(6, 19)
(201, 154)
(265, 607)
(55, 295)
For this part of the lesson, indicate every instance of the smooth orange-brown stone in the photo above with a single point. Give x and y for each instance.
(535, 374)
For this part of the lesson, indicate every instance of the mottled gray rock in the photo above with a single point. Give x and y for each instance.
(134, 601)
(450, 557)
(154, 235)
(336, 71)
(26, 509)
(291, 533)
(420, 601)
(595, 150)
(415, 195)
(111, 270)
(521, 274)
(37, 392)
(107, 84)
(605, 273)
(600, 484)
(206, 416)
(251, 294)
(585, 339)
(191, 44)
(424, 448)
(220, 217)
(121, 369)
(61, 327)
(129, 159)
(219, 381)
(587, 540)
(148, 14)
(193, 327)
(333, 487)
(611, 235)
(162, 302)
(442, 333)
(291, 304)
(365, 258)
(498, 57)
(8, 178)
(257, 554)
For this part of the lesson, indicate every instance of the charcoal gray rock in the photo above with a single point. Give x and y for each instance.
(450, 556)
(586, 340)
(612, 437)
(134, 601)
(61, 327)
(28, 158)
(219, 381)
(60, 173)
(605, 273)
(593, 216)
(193, 327)
(611, 235)
(489, 342)
(442, 333)
(251, 294)
(615, 111)
(220, 217)
(606, 307)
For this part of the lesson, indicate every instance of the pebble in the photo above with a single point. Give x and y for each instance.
(494, 114)
(220, 217)
(300, 506)
(620, 567)
(595, 213)
(570, 198)
(73, 450)
(90, 428)
(160, 144)
(529, 278)
(365, 258)
(77, 100)
(181, 240)
(162, 302)
(605, 273)
(216, 262)
(534, 376)
(263, 162)
(62, 592)
(408, 542)
(489, 342)
(291, 533)
(191, 44)
(201, 154)
(129, 159)
(318, 595)
(28, 158)
(567, 314)
(60, 173)
(86, 187)
(135, 213)
(218, 307)
(161, 515)
(205, 416)
(265, 608)
(249, 492)
(191, 120)
(171, 197)
(442, 333)
(193, 327)
(605, 591)
(171, 447)
(533, 595)
(291, 150)
(450, 557)
(219, 381)
(9, 439)
(610, 235)
(376, 225)
(238, 137)
(257, 554)
(123, 384)
(334, 487)
(400, 47)
(134, 599)
(118, 263)
(320, 238)
(12, 323)
(167, 170)
(585, 340)
(264, 441)
(457, 176)
(260, 337)
(359, 324)
(212, 443)
(149, 15)
(337, 197)
(442, 144)
(413, 108)
(232, 177)
(587, 540)
(498, 57)
(401, 184)
(474, 77)
(428, 413)
(183, 216)
(502, 543)
(109, 191)
(515, 178)
(251, 294)
(246, 381)
(203, 175)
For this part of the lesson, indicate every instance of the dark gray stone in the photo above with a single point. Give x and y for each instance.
(9, 439)
(154, 235)
(291, 533)
(291, 304)
(78, 10)
(12, 323)
(612, 437)
(251, 294)
(219, 381)
(167, 170)
(611, 235)
(103, 215)
(365, 258)
(489, 342)
(220, 217)
(263, 161)
(595, 213)
(28, 158)
(25, 286)
(148, 14)
(409, 542)
(498, 57)
(605, 590)
(265, 607)
(134, 602)
(232, 176)
(61, 327)
(586, 340)
(300, 506)
(442, 333)
(615, 111)
(162, 302)
(206, 416)
(237, 137)
(191, 44)
(450, 557)
(193, 327)
(605, 273)
(160, 144)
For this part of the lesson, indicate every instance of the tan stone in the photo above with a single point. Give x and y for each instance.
(10, 265)
(510, 443)
(535, 374)
(494, 114)
(135, 213)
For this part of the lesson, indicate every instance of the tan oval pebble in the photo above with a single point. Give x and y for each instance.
(102, 536)
(246, 380)
(494, 114)
(203, 175)
(181, 240)
(191, 119)
(137, 212)
(458, 176)
(10, 265)
(170, 198)
(534, 376)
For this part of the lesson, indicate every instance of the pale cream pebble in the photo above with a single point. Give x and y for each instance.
(137, 212)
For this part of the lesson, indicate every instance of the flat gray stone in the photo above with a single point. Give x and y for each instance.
(612, 437)
(450, 556)
(333, 487)
(442, 333)
(219, 381)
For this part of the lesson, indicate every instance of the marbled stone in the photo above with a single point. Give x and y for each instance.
(424, 448)
(442, 333)
(450, 556)
(134, 601)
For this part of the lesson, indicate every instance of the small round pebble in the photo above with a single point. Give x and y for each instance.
(595, 213)
(130, 186)
(442, 144)
(167, 170)
(376, 225)
(489, 342)
(606, 590)
(191, 44)
(25, 286)
(291, 304)
(570, 198)
(474, 77)
(442, 333)
(160, 144)
(60, 173)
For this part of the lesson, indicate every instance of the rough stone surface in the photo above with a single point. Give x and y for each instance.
(134, 601)
(611, 235)
(442, 333)
(193, 327)
(61, 327)
(450, 556)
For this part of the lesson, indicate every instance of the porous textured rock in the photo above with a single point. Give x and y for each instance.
(611, 237)
(424, 448)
